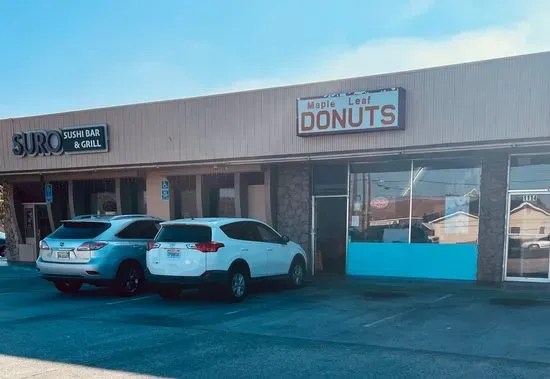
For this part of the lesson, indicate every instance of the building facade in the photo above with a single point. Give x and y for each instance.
(441, 173)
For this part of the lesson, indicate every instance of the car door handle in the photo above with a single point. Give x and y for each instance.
(244, 249)
(269, 249)
(136, 246)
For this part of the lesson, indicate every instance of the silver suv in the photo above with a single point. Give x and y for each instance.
(98, 250)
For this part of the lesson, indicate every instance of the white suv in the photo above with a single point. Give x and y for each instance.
(225, 252)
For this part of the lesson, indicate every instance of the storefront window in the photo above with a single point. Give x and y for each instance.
(380, 202)
(530, 172)
(445, 201)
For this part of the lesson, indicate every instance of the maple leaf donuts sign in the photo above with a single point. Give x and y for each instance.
(74, 140)
(351, 112)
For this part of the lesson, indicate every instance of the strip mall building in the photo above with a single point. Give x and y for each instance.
(441, 173)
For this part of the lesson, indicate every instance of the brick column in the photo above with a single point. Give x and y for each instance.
(492, 217)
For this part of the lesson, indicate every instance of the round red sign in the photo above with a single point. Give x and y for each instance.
(379, 202)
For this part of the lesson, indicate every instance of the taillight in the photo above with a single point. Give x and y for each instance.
(91, 246)
(209, 247)
(44, 246)
(152, 245)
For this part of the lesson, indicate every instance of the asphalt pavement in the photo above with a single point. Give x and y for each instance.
(329, 329)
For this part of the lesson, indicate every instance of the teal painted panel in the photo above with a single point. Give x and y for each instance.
(432, 261)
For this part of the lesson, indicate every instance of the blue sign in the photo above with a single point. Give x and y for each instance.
(48, 193)
(165, 190)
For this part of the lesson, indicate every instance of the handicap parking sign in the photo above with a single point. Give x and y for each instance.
(48, 193)
(165, 190)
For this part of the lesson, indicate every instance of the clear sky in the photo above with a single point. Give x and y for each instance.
(59, 55)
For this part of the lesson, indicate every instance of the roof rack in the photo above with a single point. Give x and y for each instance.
(122, 217)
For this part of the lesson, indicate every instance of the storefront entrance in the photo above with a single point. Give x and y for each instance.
(36, 226)
(528, 246)
(329, 235)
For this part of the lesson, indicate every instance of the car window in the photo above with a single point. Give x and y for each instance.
(244, 231)
(267, 234)
(140, 230)
(80, 230)
(185, 233)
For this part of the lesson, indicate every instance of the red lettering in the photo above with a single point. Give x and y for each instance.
(389, 116)
(323, 124)
(311, 117)
(310, 104)
(341, 119)
(350, 118)
(371, 109)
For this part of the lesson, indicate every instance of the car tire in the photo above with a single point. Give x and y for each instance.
(129, 279)
(68, 286)
(170, 292)
(237, 284)
(296, 274)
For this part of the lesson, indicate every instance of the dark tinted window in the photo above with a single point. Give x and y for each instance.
(185, 233)
(244, 231)
(2, 241)
(80, 230)
(267, 234)
(140, 230)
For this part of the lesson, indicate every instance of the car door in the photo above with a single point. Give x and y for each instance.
(277, 253)
(245, 241)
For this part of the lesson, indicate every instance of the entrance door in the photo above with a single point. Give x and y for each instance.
(329, 235)
(36, 228)
(528, 246)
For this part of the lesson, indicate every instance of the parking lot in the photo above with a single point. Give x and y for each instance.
(331, 328)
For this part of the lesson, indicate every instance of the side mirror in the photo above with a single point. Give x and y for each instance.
(285, 240)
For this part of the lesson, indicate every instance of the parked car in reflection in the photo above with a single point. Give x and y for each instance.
(98, 250)
(540, 243)
(2, 245)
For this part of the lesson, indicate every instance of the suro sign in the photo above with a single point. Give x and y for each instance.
(37, 143)
(83, 139)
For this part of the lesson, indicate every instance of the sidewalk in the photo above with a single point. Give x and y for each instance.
(396, 286)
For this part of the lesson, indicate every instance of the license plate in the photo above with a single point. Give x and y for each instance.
(173, 253)
(63, 255)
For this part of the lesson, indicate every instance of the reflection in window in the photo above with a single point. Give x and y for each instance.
(380, 203)
(530, 172)
(445, 201)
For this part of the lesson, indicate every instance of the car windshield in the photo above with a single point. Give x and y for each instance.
(80, 230)
(185, 233)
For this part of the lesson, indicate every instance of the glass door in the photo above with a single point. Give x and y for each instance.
(528, 242)
(329, 232)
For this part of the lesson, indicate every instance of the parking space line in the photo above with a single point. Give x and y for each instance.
(233, 312)
(391, 317)
(129, 300)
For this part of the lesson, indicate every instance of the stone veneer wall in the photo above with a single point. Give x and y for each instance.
(10, 223)
(492, 217)
(293, 203)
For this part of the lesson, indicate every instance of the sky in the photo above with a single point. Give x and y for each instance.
(63, 55)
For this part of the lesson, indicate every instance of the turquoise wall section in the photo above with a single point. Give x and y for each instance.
(433, 261)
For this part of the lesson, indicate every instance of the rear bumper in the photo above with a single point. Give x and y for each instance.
(208, 278)
(86, 272)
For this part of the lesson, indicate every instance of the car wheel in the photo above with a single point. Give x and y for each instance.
(170, 293)
(129, 279)
(237, 284)
(296, 274)
(68, 286)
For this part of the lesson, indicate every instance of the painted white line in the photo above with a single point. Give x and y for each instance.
(374, 323)
(129, 300)
(442, 298)
(233, 312)
(386, 319)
